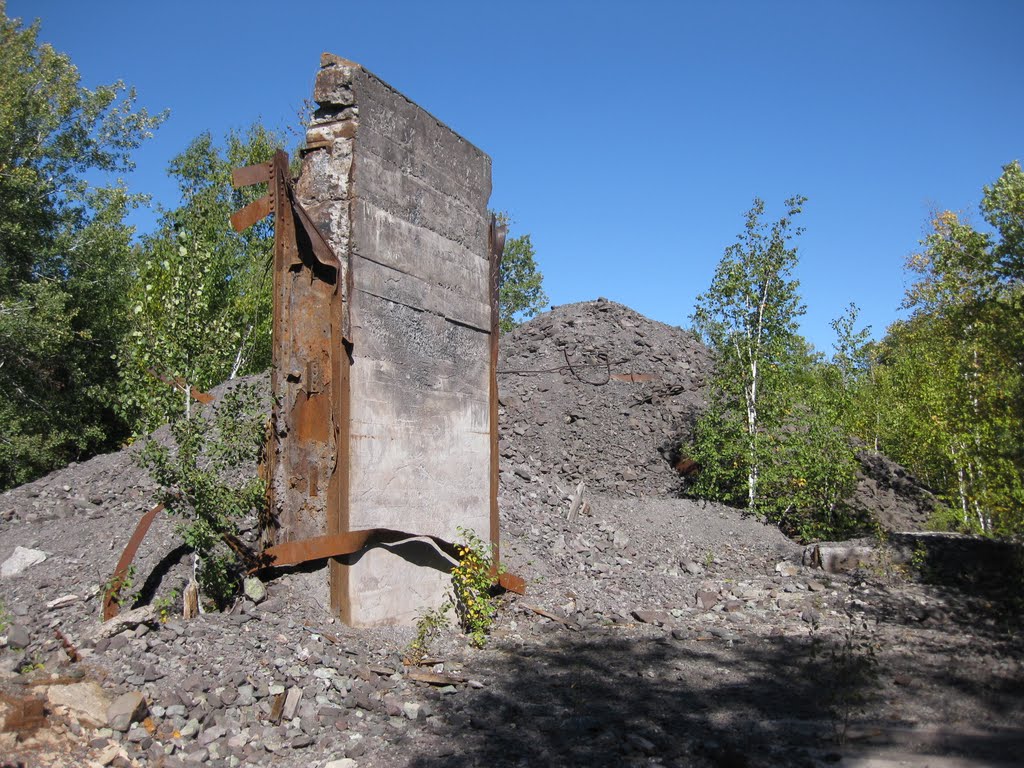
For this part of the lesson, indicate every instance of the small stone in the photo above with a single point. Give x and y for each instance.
(657, 618)
(291, 703)
(18, 637)
(106, 757)
(815, 586)
(641, 744)
(355, 748)
(126, 709)
(189, 729)
(345, 762)
(254, 589)
(724, 634)
(22, 559)
(411, 710)
(210, 735)
(707, 600)
(60, 602)
(692, 567)
(787, 569)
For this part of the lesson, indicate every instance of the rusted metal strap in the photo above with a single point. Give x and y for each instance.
(110, 606)
(341, 544)
(253, 212)
(292, 553)
(264, 206)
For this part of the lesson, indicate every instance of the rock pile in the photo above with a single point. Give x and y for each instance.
(598, 393)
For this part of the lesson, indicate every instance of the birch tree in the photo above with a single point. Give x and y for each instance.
(748, 317)
(200, 306)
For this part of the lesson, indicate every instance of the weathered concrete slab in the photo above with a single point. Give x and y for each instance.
(402, 200)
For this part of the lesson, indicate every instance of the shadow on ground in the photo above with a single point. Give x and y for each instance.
(594, 699)
(599, 698)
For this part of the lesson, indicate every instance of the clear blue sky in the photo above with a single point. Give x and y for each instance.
(627, 138)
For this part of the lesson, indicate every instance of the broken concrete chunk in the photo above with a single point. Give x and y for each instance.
(20, 560)
(88, 702)
(839, 557)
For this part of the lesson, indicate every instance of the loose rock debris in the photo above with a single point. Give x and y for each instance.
(655, 630)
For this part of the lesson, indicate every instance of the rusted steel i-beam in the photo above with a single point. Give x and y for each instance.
(305, 458)
(496, 248)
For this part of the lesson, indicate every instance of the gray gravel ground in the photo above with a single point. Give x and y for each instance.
(655, 630)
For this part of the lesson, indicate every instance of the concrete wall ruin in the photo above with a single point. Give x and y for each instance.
(403, 421)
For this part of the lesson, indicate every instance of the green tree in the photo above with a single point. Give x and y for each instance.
(856, 384)
(521, 293)
(201, 305)
(64, 251)
(748, 318)
(954, 367)
(772, 438)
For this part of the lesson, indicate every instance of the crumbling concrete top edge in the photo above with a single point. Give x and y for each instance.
(331, 59)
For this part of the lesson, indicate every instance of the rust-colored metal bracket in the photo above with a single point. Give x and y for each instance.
(496, 245)
(110, 606)
(275, 174)
(341, 544)
(293, 553)
(180, 384)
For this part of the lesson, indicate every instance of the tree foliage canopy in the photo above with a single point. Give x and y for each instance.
(201, 302)
(64, 251)
(770, 439)
(953, 372)
(521, 294)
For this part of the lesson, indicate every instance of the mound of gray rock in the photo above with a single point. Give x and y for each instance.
(598, 393)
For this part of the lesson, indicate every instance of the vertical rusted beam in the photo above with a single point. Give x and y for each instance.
(338, 490)
(277, 192)
(496, 247)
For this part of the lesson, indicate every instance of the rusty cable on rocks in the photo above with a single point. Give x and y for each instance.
(570, 367)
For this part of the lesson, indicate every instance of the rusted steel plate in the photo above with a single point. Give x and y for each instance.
(339, 544)
(25, 714)
(253, 212)
(110, 606)
(512, 583)
(252, 174)
(321, 248)
(635, 378)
